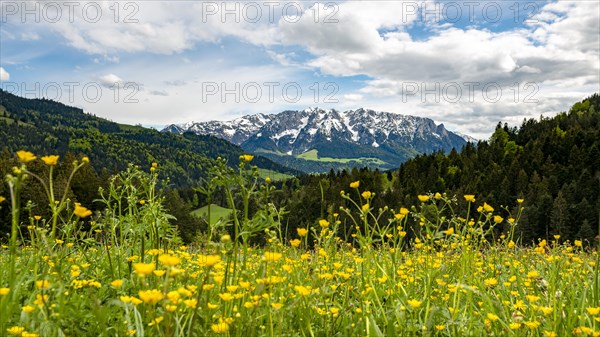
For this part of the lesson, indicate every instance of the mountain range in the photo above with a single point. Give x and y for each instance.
(316, 140)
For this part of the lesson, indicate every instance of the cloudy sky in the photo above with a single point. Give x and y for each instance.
(465, 64)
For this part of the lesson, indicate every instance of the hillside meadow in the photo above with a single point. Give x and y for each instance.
(417, 270)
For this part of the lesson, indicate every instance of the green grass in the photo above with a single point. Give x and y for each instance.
(216, 212)
(274, 175)
(314, 155)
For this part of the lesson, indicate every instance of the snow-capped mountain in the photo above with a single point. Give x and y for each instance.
(389, 137)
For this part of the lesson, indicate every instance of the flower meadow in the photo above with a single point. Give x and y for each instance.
(415, 271)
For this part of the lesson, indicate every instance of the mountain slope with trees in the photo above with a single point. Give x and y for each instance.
(551, 163)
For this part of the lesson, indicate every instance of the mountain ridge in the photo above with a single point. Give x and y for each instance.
(350, 134)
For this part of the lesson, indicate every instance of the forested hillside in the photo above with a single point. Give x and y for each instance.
(551, 163)
(47, 127)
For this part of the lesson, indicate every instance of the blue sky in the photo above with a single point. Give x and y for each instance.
(465, 64)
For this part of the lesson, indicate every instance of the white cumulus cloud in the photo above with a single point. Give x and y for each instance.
(4, 75)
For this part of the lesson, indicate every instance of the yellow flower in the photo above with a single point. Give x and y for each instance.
(28, 308)
(414, 303)
(81, 211)
(487, 207)
(191, 303)
(295, 243)
(42, 284)
(593, 311)
(226, 238)
(143, 268)
(169, 260)
(323, 223)
(366, 194)
(116, 283)
(492, 317)
(4, 291)
(220, 327)
(170, 307)
(276, 306)
(366, 207)
(40, 300)
(437, 196)
(302, 231)
(334, 311)
(85, 159)
(498, 219)
(151, 296)
(2, 199)
(533, 324)
(423, 198)
(208, 260)
(546, 310)
(159, 273)
(156, 321)
(272, 256)
(578, 243)
(511, 244)
(355, 184)
(15, 330)
(469, 197)
(490, 282)
(302, 290)
(25, 156)
(50, 160)
(520, 201)
(246, 157)
(449, 231)
(226, 296)
(514, 326)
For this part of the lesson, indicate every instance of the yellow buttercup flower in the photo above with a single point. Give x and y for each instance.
(295, 243)
(469, 197)
(25, 156)
(208, 260)
(498, 219)
(116, 283)
(2, 199)
(42, 284)
(81, 211)
(15, 330)
(423, 198)
(272, 256)
(143, 268)
(50, 160)
(220, 327)
(302, 231)
(323, 223)
(151, 296)
(367, 195)
(28, 309)
(355, 184)
(246, 158)
(4, 291)
(414, 303)
(487, 207)
(169, 260)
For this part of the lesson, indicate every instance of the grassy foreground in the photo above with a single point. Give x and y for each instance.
(125, 273)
